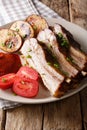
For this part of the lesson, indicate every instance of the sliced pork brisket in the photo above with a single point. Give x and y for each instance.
(51, 78)
(48, 38)
(78, 56)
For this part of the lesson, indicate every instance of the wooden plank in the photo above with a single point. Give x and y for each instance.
(63, 115)
(78, 12)
(84, 107)
(27, 117)
(58, 6)
(2, 119)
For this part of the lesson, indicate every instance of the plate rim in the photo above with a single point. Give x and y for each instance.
(50, 99)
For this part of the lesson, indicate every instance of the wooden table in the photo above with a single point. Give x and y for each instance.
(68, 114)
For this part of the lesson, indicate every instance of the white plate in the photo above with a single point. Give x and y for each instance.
(44, 96)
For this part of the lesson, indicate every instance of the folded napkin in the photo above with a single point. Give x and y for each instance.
(11, 10)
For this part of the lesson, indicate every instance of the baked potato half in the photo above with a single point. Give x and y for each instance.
(23, 28)
(37, 22)
(10, 41)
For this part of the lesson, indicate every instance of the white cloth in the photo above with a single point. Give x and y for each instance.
(11, 10)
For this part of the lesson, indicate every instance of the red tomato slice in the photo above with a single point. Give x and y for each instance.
(27, 72)
(6, 81)
(26, 87)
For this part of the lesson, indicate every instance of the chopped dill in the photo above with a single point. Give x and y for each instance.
(63, 40)
(56, 65)
(3, 44)
(4, 80)
(29, 56)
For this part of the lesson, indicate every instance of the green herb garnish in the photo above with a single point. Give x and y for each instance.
(4, 80)
(49, 46)
(56, 65)
(60, 36)
(48, 63)
(19, 53)
(70, 59)
(14, 34)
(34, 27)
(28, 56)
(17, 30)
(3, 44)
(63, 40)
(14, 94)
(43, 74)
(65, 73)
(10, 45)
(32, 67)
(24, 36)
(9, 33)
(25, 64)
(29, 50)
(65, 43)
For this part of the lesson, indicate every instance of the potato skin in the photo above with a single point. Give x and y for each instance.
(37, 22)
(23, 28)
(10, 41)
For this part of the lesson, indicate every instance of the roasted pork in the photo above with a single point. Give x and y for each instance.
(48, 38)
(36, 57)
(78, 56)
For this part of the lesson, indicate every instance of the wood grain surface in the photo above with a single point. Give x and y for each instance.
(27, 117)
(78, 12)
(68, 114)
(2, 119)
(63, 115)
(83, 96)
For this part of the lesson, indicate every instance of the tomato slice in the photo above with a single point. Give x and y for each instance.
(25, 87)
(7, 81)
(27, 72)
